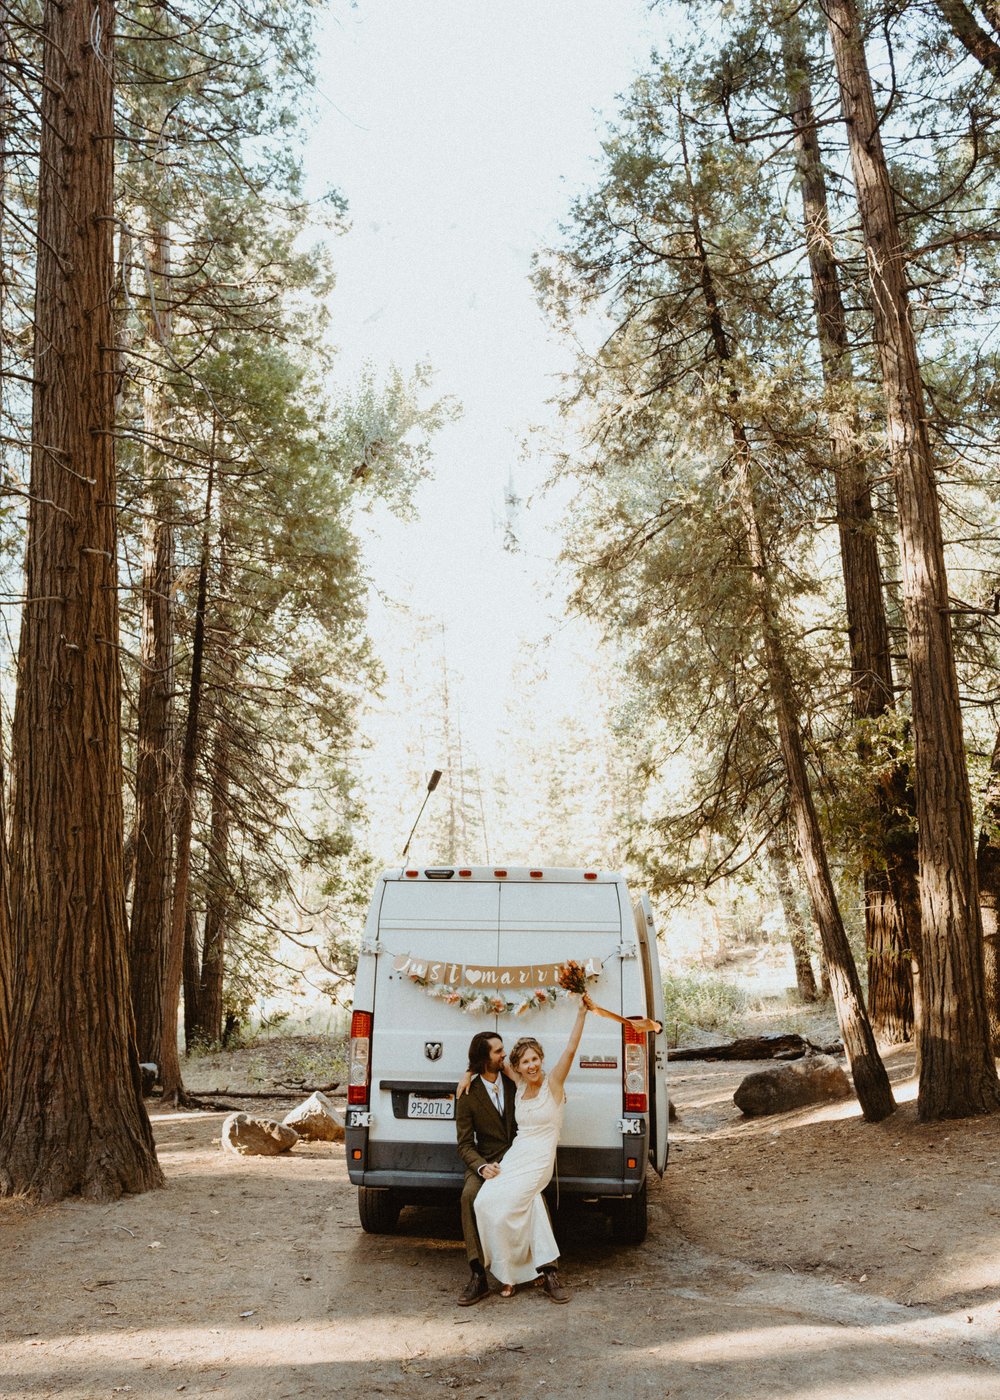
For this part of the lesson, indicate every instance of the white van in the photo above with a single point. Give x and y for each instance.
(449, 952)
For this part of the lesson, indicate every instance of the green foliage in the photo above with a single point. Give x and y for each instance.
(658, 538)
(703, 1001)
(698, 176)
(260, 461)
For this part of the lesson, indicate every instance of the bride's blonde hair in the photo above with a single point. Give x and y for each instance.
(521, 1048)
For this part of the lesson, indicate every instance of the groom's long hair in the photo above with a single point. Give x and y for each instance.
(479, 1051)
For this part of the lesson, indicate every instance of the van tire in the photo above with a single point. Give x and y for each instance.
(630, 1218)
(379, 1210)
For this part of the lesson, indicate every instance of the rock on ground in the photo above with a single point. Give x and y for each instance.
(792, 1084)
(316, 1120)
(256, 1137)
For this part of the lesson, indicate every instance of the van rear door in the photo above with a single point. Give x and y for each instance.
(417, 1040)
(645, 929)
(552, 922)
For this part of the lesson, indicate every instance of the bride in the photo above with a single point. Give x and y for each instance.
(514, 1227)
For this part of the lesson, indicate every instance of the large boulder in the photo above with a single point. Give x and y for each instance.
(813, 1079)
(256, 1137)
(316, 1120)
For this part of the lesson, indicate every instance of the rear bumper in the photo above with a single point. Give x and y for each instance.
(422, 1170)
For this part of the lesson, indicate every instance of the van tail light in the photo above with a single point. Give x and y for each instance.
(634, 1086)
(359, 1065)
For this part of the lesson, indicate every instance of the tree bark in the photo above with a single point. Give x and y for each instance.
(218, 894)
(958, 1074)
(170, 1065)
(988, 868)
(982, 45)
(6, 952)
(890, 962)
(871, 1082)
(191, 979)
(72, 1119)
(218, 885)
(154, 780)
(888, 936)
(6, 947)
(805, 978)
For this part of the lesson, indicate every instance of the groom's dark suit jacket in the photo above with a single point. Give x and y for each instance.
(483, 1136)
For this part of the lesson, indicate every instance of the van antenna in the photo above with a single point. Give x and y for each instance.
(435, 778)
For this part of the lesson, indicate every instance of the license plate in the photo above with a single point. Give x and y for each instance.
(421, 1107)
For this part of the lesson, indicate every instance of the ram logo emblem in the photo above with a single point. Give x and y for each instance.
(432, 1049)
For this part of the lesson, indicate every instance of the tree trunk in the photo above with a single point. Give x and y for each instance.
(170, 1065)
(958, 1074)
(890, 963)
(805, 978)
(191, 980)
(988, 867)
(154, 779)
(218, 896)
(6, 949)
(871, 1082)
(72, 1119)
(978, 41)
(825, 985)
(888, 937)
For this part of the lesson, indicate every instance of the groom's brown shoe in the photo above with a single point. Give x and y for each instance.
(474, 1292)
(552, 1286)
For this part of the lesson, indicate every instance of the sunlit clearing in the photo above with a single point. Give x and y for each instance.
(890, 1321)
(314, 1342)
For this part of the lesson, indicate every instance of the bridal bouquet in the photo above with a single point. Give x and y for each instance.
(573, 978)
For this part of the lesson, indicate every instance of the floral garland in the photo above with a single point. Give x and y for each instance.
(473, 1001)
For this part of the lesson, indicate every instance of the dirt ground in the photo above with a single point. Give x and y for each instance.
(808, 1256)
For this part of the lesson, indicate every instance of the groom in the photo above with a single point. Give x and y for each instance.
(484, 1121)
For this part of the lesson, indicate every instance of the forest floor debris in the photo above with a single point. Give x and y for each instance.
(808, 1257)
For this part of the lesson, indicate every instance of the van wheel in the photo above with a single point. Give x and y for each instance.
(379, 1210)
(630, 1218)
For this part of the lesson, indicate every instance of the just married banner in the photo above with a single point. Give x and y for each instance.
(516, 976)
(488, 988)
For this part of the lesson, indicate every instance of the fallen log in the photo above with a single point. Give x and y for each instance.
(759, 1047)
(283, 1091)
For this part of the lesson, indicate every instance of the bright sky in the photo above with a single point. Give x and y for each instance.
(459, 131)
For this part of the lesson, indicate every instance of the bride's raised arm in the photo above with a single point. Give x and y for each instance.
(562, 1066)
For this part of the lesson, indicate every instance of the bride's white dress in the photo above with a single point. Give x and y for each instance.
(514, 1226)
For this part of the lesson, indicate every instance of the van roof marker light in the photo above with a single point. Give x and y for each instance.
(465, 874)
(536, 874)
(412, 874)
(500, 874)
(589, 875)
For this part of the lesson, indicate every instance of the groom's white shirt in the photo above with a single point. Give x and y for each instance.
(495, 1092)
